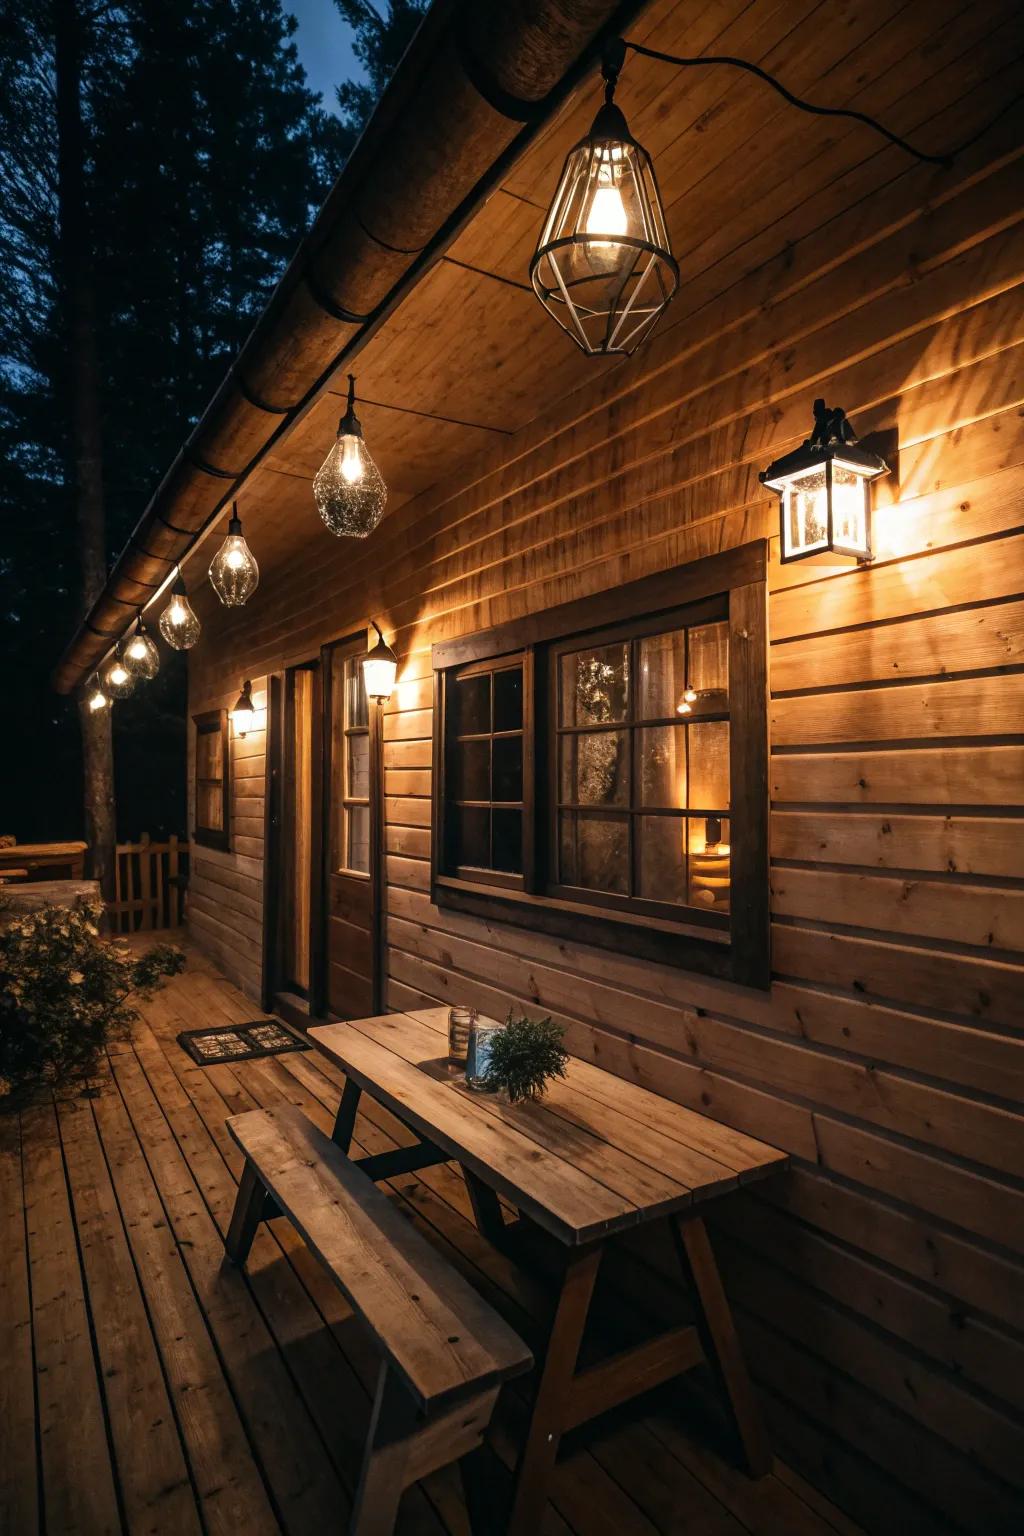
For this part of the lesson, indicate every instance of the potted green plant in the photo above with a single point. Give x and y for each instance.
(524, 1055)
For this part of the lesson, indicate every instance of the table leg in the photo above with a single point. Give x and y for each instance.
(721, 1346)
(551, 1407)
(344, 1125)
(486, 1207)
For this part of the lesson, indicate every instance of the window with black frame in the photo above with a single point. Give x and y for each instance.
(601, 769)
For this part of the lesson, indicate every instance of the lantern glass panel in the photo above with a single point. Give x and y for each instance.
(849, 509)
(805, 511)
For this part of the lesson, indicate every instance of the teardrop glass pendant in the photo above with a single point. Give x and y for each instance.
(348, 488)
(178, 623)
(141, 657)
(234, 573)
(118, 682)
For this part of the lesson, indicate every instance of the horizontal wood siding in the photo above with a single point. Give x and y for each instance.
(225, 888)
(880, 1285)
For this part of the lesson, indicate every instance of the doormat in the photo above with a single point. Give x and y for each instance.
(239, 1042)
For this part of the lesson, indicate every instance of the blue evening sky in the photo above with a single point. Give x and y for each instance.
(325, 48)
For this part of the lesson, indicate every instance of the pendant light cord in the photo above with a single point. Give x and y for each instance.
(807, 106)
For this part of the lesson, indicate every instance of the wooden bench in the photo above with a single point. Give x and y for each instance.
(445, 1353)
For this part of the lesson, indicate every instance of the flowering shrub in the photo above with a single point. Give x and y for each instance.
(64, 991)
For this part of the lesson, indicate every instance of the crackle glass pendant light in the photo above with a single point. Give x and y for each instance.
(118, 682)
(603, 267)
(141, 656)
(178, 623)
(824, 500)
(234, 573)
(348, 488)
(95, 696)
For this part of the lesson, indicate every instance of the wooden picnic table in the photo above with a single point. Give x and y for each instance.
(595, 1158)
(49, 856)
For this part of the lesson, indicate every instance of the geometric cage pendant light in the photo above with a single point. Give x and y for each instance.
(348, 488)
(603, 267)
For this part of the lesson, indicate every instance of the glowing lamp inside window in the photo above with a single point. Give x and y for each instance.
(380, 664)
(243, 711)
(824, 490)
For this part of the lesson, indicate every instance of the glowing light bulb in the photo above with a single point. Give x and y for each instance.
(684, 707)
(351, 462)
(178, 623)
(379, 668)
(95, 697)
(234, 573)
(348, 488)
(141, 657)
(117, 681)
(607, 214)
(243, 711)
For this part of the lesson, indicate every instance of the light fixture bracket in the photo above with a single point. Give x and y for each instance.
(349, 425)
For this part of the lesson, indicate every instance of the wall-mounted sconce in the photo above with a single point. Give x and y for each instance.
(824, 500)
(243, 711)
(380, 665)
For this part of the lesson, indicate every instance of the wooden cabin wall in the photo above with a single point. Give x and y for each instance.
(878, 1285)
(225, 888)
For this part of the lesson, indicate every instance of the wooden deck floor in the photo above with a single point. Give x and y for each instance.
(146, 1387)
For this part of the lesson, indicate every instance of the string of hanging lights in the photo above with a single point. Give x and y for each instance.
(603, 266)
(118, 682)
(95, 697)
(141, 657)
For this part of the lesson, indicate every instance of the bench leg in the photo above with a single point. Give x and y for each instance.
(345, 1121)
(246, 1216)
(721, 1346)
(385, 1461)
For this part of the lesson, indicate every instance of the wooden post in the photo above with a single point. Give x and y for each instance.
(145, 882)
(174, 897)
(383, 1474)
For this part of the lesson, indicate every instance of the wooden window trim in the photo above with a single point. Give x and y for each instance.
(206, 724)
(740, 950)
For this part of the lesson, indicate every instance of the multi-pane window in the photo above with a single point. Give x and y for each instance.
(211, 779)
(484, 768)
(642, 766)
(350, 726)
(600, 769)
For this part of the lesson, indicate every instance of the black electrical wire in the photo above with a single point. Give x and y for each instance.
(613, 63)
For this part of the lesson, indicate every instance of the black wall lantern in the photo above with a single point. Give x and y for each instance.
(243, 711)
(823, 486)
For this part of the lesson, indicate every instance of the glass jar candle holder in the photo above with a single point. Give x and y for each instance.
(460, 1022)
(481, 1032)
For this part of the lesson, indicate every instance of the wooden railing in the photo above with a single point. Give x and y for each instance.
(149, 885)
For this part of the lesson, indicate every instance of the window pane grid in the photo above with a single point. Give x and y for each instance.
(689, 865)
(485, 770)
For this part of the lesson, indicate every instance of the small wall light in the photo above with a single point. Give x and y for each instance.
(824, 503)
(243, 711)
(141, 656)
(380, 665)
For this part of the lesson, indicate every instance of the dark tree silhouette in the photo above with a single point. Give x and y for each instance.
(381, 34)
(200, 157)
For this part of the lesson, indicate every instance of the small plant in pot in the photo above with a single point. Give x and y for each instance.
(524, 1056)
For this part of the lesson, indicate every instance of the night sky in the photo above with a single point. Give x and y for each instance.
(324, 45)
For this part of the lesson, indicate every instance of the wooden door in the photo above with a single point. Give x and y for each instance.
(352, 779)
(299, 833)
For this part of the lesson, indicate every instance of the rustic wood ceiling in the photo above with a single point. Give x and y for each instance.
(470, 358)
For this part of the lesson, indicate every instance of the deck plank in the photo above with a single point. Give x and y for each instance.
(156, 1490)
(78, 1481)
(19, 1489)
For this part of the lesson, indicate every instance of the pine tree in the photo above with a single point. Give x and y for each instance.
(379, 40)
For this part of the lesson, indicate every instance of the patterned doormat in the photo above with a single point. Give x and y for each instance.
(239, 1042)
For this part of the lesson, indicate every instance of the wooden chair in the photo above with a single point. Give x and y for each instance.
(444, 1351)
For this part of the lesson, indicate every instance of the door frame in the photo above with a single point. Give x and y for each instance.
(375, 718)
(279, 767)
